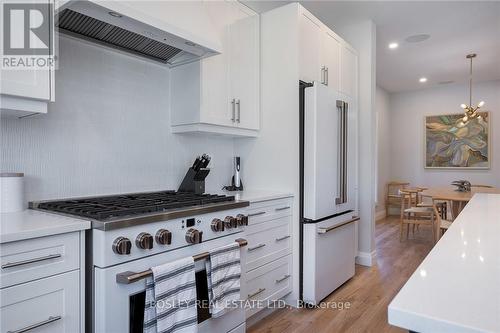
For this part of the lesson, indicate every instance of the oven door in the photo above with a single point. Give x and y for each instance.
(120, 307)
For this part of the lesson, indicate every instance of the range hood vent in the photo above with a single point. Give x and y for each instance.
(90, 27)
(124, 28)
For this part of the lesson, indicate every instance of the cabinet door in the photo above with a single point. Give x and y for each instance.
(330, 58)
(215, 105)
(310, 38)
(50, 305)
(244, 66)
(349, 72)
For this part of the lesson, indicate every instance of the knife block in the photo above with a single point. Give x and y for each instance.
(194, 181)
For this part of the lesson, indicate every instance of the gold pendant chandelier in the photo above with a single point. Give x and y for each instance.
(471, 112)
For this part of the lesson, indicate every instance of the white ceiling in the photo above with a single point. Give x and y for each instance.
(456, 28)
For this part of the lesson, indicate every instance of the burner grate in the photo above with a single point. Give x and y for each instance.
(108, 207)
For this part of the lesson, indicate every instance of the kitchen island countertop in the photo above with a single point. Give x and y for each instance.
(32, 223)
(456, 288)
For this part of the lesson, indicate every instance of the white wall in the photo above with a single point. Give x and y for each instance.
(407, 132)
(107, 132)
(362, 36)
(383, 149)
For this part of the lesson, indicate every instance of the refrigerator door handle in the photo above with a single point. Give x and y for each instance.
(342, 107)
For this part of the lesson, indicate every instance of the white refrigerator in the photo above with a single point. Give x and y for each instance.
(329, 190)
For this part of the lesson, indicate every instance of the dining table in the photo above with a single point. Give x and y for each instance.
(458, 199)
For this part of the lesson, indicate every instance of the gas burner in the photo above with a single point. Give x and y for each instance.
(115, 206)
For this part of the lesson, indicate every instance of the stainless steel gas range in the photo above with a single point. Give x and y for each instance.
(133, 232)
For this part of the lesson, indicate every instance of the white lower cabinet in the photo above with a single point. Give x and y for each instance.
(49, 305)
(268, 257)
(42, 283)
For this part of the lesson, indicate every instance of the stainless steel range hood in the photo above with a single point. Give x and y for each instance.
(113, 24)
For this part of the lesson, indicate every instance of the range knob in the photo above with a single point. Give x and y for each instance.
(217, 225)
(122, 245)
(193, 236)
(163, 237)
(144, 241)
(230, 222)
(242, 220)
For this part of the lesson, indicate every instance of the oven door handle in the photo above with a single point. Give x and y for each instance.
(131, 277)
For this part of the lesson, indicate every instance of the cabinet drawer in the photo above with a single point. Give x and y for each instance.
(269, 282)
(268, 241)
(49, 305)
(266, 210)
(32, 259)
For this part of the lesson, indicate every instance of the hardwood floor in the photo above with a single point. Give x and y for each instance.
(369, 292)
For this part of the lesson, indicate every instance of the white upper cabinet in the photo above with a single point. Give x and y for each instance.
(330, 55)
(310, 39)
(324, 56)
(25, 91)
(220, 94)
(349, 72)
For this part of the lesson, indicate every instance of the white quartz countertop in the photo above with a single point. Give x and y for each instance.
(257, 195)
(32, 223)
(457, 287)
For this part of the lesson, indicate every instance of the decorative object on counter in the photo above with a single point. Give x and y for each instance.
(451, 143)
(194, 181)
(236, 183)
(12, 192)
(462, 185)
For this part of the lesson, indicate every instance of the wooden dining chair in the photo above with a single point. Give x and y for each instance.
(441, 224)
(393, 195)
(441, 205)
(412, 216)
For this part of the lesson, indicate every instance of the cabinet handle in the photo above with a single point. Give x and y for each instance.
(256, 214)
(42, 323)
(238, 104)
(323, 74)
(328, 229)
(326, 72)
(30, 261)
(282, 208)
(233, 110)
(283, 278)
(256, 247)
(282, 238)
(257, 292)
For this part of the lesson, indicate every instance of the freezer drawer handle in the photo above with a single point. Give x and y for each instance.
(42, 323)
(325, 230)
(256, 247)
(283, 278)
(282, 238)
(256, 293)
(282, 208)
(30, 261)
(256, 214)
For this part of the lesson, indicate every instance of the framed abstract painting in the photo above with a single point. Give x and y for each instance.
(452, 144)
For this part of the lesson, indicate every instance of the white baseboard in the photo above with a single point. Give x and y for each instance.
(366, 258)
(380, 214)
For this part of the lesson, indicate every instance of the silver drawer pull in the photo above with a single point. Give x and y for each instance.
(30, 261)
(282, 208)
(256, 247)
(283, 278)
(256, 293)
(282, 238)
(256, 214)
(325, 230)
(42, 323)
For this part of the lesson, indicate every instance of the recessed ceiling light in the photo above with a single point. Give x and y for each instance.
(422, 80)
(417, 38)
(393, 46)
(115, 14)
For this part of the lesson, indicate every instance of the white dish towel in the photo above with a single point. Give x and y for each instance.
(223, 274)
(171, 298)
